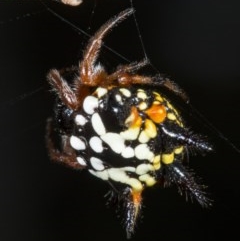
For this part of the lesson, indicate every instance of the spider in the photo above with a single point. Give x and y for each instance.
(122, 129)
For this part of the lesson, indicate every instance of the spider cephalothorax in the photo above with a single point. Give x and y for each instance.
(122, 129)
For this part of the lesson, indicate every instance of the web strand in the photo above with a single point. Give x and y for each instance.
(79, 30)
(139, 32)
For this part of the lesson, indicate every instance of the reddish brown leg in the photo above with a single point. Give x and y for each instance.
(124, 74)
(65, 93)
(132, 67)
(90, 74)
(127, 79)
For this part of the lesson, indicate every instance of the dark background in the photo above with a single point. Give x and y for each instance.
(196, 43)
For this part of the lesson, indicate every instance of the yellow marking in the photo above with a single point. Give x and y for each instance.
(120, 175)
(180, 123)
(150, 131)
(156, 159)
(142, 152)
(157, 166)
(150, 128)
(131, 133)
(175, 113)
(171, 116)
(141, 94)
(100, 92)
(134, 120)
(178, 150)
(135, 184)
(130, 119)
(158, 96)
(168, 158)
(149, 180)
(144, 168)
(170, 106)
(143, 137)
(142, 106)
(155, 102)
(143, 177)
(125, 92)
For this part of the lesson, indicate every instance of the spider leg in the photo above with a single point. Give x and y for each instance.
(131, 68)
(67, 156)
(124, 74)
(176, 173)
(133, 204)
(167, 83)
(126, 79)
(170, 85)
(65, 93)
(129, 204)
(186, 137)
(90, 74)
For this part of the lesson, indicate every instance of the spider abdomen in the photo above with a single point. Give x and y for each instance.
(118, 134)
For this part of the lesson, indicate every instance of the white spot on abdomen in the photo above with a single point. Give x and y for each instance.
(125, 92)
(128, 169)
(142, 94)
(77, 143)
(144, 168)
(142, 152)
(80, 120)
(81, 161)
(143, 137)
(149, 180)
(118, 99)
(102, 175)
(90, 103)
(101, 92)
(128, 152)
(118, 175)
(115, 141)
(96, 144)
(131, 133)
(97, 164)
(97, 124)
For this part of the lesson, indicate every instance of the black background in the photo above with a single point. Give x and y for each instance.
(196, 43)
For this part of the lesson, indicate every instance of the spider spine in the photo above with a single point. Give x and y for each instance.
(185, 181)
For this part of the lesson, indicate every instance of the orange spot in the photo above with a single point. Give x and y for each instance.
(157, 113)
(137, 197)
(134, 120)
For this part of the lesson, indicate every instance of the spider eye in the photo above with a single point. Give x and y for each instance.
(64, 118)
